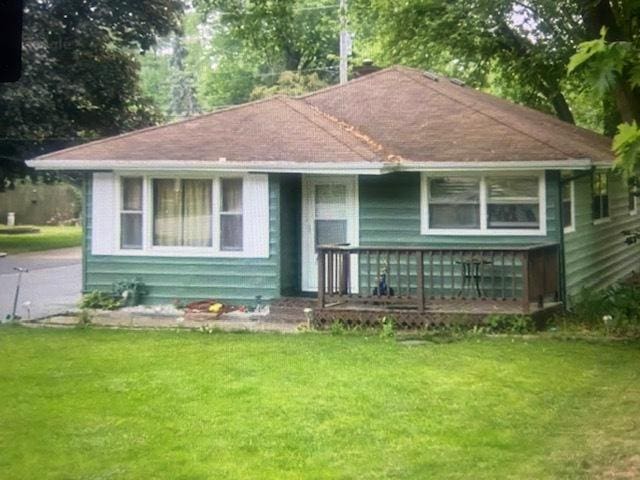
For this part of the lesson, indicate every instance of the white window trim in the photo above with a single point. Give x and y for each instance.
(483, 230)
(635, 201)
(607, 219)
(572, 194)
(150, 250)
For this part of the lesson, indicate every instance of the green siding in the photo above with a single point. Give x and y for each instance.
(596, 255)
(291, 234)
(390, 215)
(233, 280)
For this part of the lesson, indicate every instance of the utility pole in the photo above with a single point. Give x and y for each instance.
(345, 39)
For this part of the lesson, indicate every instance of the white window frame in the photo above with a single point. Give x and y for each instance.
(122, 211)
(607, 219)
(148, 249)
(218, 214)
(572, 195)
(483, 230)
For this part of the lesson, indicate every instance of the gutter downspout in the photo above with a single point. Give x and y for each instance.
(563, 268)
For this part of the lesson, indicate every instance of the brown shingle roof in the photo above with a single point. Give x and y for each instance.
(275, 129)
(394, 115)
(424, 120)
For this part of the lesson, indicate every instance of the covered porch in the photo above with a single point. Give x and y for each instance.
(424, 285)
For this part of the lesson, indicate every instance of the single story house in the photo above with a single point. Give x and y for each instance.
(400, 186)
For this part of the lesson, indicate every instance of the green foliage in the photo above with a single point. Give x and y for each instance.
(615, 310)
(518, 49)
(130, 292)
(337, 328)
(80, 76)
(611, 64)
(289, 83)
(285, 34)
(515, 324)
(99, 301)
(626, 146)
(155, 73)
(604, 61)
(388, 327)
(84, 318)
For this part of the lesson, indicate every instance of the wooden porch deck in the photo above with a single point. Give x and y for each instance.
(437, 312)
(423, 286)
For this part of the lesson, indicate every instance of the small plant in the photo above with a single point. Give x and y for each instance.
(337, 328)
(611, 311)
(388, 327)
(98, 300)
(130, 291)
(518, 324)
(84, 319)
(207, 328)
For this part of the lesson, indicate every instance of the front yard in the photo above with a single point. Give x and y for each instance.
(89, 403)
(48, 238)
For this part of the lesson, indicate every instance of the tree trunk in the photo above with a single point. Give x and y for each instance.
(611, 116)
(600, 14)
(561, 107)
(628, 103)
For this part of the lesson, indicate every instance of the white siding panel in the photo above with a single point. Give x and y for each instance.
(256, 216)
(104, 215)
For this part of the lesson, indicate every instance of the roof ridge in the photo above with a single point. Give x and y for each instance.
(350, 82)
(157, 127)
(352, 131)
(492, 117)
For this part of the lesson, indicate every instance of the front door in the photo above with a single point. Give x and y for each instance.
(329, 216)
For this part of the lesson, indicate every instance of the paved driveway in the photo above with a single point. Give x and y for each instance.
(52, 284)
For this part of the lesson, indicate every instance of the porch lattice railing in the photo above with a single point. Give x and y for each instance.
(410, 277)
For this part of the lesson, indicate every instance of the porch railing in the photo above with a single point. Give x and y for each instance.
(411, 277)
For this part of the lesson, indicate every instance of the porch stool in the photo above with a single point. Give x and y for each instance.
(472, 274)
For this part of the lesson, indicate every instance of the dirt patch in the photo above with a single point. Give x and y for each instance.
(627, 468)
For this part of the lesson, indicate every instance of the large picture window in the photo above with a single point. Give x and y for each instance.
(182, 213)
(154, 214)
(491, 204)
(600, 196)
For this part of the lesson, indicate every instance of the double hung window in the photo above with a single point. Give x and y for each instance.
(483, 204)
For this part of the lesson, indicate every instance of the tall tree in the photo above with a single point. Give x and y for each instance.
(80, 74)
(288, 34)
(612, 62)
(521, 47)
(183, 102)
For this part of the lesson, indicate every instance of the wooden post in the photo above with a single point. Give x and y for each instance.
(321, 273)
(345, 274)
(420, 280)
(525, 282)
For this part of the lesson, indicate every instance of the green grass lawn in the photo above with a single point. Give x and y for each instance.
(48, 239)
(121, 404)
